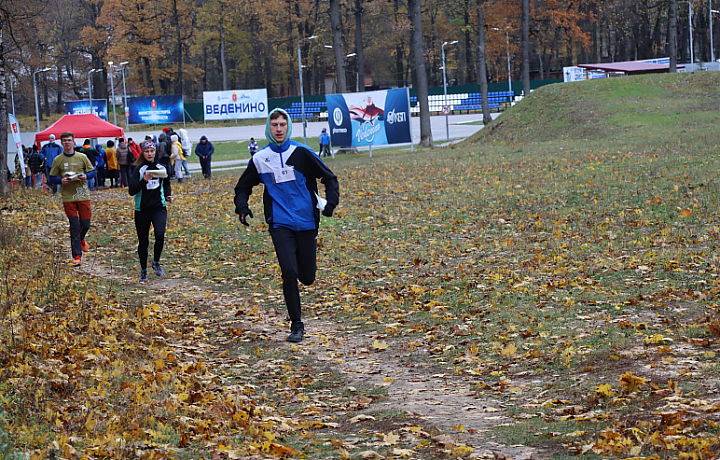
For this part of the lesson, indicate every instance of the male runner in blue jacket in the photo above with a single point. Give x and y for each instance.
(289, 170)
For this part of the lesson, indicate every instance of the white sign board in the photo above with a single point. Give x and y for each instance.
(235, 104)
(573, 74)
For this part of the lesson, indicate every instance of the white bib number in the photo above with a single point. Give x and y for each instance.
(284, 174)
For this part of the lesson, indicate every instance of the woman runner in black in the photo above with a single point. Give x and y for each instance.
(150, 185)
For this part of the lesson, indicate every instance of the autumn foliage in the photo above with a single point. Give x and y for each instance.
(548, 287)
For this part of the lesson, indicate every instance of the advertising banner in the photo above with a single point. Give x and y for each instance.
(156, 110)
(15, 129)
(573, 73)
(99, 108)
(235, 104)
(370, 118)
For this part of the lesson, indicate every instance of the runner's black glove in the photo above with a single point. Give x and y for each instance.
(244, 214)
(329, 208)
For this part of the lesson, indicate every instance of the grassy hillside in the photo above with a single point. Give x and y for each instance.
(647, 111)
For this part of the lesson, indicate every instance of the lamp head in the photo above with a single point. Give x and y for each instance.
(110, 63)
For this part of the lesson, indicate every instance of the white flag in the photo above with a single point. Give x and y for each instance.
(15, 128)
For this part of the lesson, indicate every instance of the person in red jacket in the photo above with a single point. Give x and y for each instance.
(134, 148)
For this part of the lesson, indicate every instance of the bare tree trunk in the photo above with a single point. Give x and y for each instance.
(526, 46)
(415, 10)
(178, 48)
(46, 95)
(482, 65)
(464, 75)
(399, 50)
(222, 54)
(336, 27)
(267, 68)
(4, 189)
(147, 73)
(359, 45)
(59, 101)
(672, 35)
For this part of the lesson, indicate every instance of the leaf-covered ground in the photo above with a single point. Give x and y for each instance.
(513, 297)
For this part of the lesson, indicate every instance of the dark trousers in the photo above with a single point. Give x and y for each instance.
(53, 187)
(324, 150)
(296, 253)
(125, 174)
(205, 165)
(143, 220)
(101, 174)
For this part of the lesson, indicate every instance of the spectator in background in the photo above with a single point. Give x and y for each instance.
(125, 159)
(91, 155)
(49, 152)
(177, 157)
(204, 150)
(324, 141)
(35, 163)
(113, 168)
(135, 148)
(19, 165)
(186, 148)
(100, 166)
(252, 146)
(163, 153)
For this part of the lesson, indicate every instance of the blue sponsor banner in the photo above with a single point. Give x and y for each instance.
(235, 104)
(99, 108)
(156, 110)
(370, 118)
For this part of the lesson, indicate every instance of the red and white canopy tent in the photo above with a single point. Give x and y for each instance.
(86, 126)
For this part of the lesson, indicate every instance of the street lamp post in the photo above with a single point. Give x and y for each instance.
(112, 88)
(302, 93)
(125, 106)
(357, 85)
(690, 13)
(37, 110)
(357, 81)
(507, 43)
(712, 47)
(90, 88)
(442, 49)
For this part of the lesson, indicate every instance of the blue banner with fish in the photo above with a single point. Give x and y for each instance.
(369, 118)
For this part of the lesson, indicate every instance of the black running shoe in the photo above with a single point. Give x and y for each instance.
(297, 331)
(158, 269)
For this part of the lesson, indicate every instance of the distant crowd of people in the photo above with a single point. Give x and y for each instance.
(113, 161)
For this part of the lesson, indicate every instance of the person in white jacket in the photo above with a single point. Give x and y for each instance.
(187, 149)
(176, 155)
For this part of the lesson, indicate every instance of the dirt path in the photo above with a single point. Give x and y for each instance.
(416, 386)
